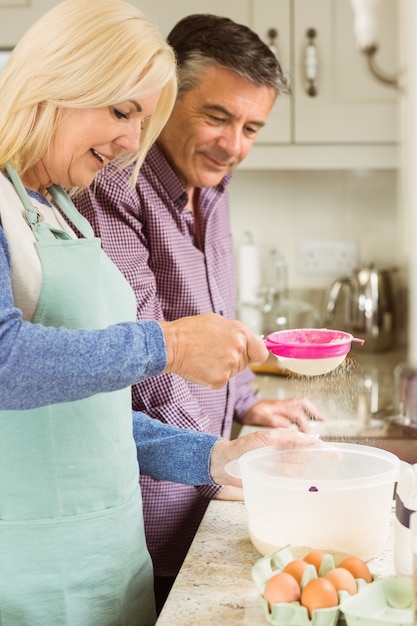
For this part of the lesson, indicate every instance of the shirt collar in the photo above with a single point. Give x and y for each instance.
(156, 159)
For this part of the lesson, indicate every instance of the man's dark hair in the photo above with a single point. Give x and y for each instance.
(201, 40)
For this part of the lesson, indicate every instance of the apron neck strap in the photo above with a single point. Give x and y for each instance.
(35, 220)
(67, 206)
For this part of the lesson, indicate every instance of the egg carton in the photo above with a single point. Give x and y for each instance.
(293, 613)
(390, 601)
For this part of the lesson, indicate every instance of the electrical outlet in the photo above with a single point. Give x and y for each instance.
(327, 257)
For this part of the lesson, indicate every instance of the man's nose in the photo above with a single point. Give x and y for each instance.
(231, 140)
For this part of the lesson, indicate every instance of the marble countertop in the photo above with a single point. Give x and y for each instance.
(215, 585)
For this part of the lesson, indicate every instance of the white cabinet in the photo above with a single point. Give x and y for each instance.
(262, 16)
(350, 105)
(16, 16)
(352, 121)
(166, 14)
(275, 15)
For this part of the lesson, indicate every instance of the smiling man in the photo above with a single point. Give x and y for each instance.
(213, 127)
(170, 235)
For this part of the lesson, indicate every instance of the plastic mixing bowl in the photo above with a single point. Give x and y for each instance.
(335, 497)
(310, 351)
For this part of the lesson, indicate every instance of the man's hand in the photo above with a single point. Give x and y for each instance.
(209, 349)
(283, 413)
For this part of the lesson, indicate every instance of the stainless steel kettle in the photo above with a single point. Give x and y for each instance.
(363, 304)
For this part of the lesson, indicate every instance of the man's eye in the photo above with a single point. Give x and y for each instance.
(217, 120)
(250, 130)
(119, 114)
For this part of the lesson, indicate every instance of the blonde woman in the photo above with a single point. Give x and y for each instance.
(89, 83)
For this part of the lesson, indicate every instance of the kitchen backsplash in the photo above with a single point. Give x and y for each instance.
(282, 209)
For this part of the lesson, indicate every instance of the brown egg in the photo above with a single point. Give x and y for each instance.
(319, 593)
(296, 568)
(342, 580)
(281, 587)
(357, 568)
(314, 558)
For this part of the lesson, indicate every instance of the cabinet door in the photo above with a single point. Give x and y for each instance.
(261, 16)
(16, 16)
(276, 15)
(350, 106)
(166, 14)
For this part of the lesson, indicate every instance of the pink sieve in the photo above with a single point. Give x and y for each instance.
(310, 343)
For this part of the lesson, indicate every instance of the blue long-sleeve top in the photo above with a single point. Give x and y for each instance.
(85, 362)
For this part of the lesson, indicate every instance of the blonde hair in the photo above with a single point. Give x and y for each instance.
(82, 54)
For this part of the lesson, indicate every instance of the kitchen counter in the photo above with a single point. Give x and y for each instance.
(215, 585)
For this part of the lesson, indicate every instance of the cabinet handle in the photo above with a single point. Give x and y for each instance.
(364, 26)
(272, 35)
(311, 63)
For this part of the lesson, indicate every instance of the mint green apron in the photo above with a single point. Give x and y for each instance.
(72, 544)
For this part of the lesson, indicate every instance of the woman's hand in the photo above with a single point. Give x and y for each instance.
(229, 493)
(283, 413)
(225, 450)
(209, 349)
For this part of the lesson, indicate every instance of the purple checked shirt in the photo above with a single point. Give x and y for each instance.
(153, 239)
